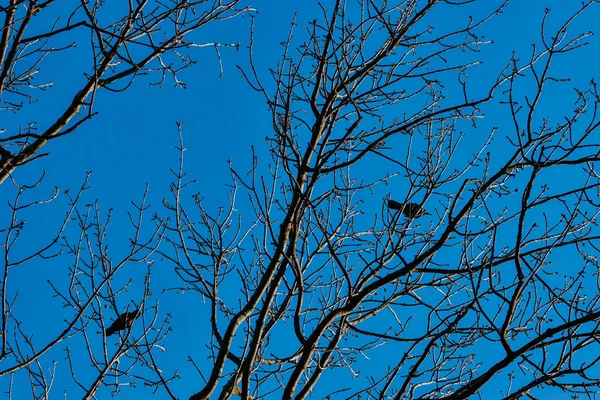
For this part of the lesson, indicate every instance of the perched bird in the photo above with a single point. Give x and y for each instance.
(5, 154)
(125, 321)
(411, 210)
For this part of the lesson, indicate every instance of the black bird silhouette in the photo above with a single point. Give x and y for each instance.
(411, 210)
(125, 321)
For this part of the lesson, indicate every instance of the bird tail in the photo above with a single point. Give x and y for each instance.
(109, 331)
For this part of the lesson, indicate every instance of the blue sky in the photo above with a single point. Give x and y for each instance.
(131, 144)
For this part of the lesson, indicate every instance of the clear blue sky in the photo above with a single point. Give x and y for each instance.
(132, 142)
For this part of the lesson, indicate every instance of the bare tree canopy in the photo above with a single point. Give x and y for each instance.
(118, 44)
(421, 224)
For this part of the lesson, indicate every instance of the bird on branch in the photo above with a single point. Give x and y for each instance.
(5, 154)
(411, 210)
(125, 321)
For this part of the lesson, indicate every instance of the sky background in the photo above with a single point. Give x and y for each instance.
(131, 143)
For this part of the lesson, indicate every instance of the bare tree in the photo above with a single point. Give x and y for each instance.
(87, 289)
(119, 44)
(473, 299)
(105, 46)
(417, 233)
